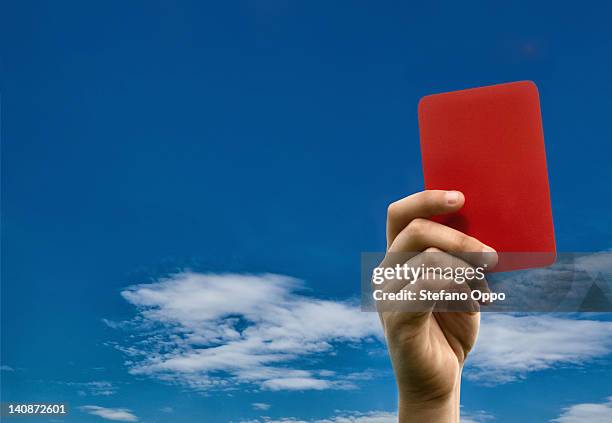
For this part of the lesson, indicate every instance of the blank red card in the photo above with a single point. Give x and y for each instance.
(488, 143)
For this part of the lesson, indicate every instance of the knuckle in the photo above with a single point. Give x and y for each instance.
(433, 250)
(392, 211)
(417, 227)
(463, 242)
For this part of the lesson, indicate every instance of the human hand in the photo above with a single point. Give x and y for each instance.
(427, 347)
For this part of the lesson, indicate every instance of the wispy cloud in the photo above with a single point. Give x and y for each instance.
(5, 368)
(344, 417)
(116, 414)
(95, 388)
(509, 347)
(217, 331)
(596, 263)
(261, 406)
(475, 416)
(587, 412)
(366, 417)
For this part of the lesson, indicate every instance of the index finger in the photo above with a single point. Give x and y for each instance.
(423, 204)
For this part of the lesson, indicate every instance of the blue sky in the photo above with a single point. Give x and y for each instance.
(258, 137)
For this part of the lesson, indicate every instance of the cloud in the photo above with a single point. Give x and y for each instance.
(475, 417)
(95, 388)
(5, 368)
(296, 384)
(587, 412)
(595, 263)
(345, 417)
(166, 410)
(261, 406)
(111, 324)
(219, 331)
(115, 414)
(365, 417)
(509, 346)
(224, 331)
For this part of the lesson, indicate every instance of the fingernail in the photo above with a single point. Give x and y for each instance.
(452, 197)
(490, 256)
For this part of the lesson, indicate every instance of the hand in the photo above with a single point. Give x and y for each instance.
(428, 348)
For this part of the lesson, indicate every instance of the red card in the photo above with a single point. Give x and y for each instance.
(488, 143)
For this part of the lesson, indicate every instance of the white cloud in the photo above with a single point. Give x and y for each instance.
(116, 414)
(216, 331)
(346, 417)
(599, 268)
(111, 324)
(475, 417)
(595, 263)
(296, 384)
(95, 388)
(261, 406)
(5, 368)
(367, 417)
(587, 412)
(219, 331)
(166, 410)
(509, 347)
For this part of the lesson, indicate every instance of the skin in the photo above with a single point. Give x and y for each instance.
(428, 348)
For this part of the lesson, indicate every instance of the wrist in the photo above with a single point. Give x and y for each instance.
(439, 409)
